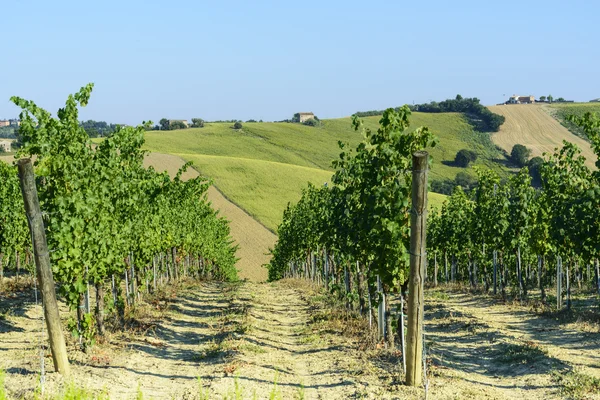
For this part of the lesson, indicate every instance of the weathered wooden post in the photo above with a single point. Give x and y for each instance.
(418, 220)
(380, 309)
(42, 264)
(558, 283)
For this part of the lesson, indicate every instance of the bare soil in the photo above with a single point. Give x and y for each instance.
(482, 348)
(252, 340)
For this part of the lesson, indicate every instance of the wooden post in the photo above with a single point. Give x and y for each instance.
(568, 285)
(42, 264)
(418, 220)
(495, 261)
(401, 332)
(597, 273)
(558, 283)
(380, 309)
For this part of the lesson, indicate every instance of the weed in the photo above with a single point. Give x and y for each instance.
(275, 393)
(437, 295)
(521, 353)
(2, 389)
(576, 384)
(309, 339)
(252, 348)
(74, 392)
(139, 395)
(209, 350)
(203, 394)
(301, 392)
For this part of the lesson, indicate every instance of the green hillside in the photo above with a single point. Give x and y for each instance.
(561, 111)
(263, 166)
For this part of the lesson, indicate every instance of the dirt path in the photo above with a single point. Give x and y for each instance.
(252, 237)
(213, 341)
(504, 352)
(282, 350)
(531, 126)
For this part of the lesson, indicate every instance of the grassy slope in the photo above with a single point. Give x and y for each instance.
(264, 166)
(253, 239)
(560, 111)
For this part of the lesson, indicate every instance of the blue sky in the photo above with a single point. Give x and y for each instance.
(269, 59)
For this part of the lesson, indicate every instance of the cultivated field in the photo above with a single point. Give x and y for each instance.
(530, 125)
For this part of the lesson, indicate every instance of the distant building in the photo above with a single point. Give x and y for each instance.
(6, 145)
(595, 100)
(4, 122)
(183, 121)
(514, 99)
(14, 123)
(305, 116)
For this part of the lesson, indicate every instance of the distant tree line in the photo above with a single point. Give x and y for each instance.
(550, 99)
(479, 116)
(98, 128)
(8, 132)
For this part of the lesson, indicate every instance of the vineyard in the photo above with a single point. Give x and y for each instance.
(150, 296)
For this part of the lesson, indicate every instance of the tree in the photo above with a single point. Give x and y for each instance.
(296, 118)
(464, 157)
(164, 124)
(520, 154)
(465, 180)
(237, 125)
(560, 100)
(197, 123)
(543, 98)
(550, 98)
(177, 125)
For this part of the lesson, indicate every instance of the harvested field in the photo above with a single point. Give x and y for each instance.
(531, 126)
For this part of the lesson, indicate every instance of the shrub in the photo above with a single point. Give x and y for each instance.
(177, 125)
(520, 154)
(237, 125)
(466, 181)
(312, 122)
(444, 186)
(464, 157)
(197, 122)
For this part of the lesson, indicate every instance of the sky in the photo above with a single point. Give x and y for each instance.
(181, 59)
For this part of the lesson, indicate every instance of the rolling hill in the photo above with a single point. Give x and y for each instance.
(253, 239)
(531, 126)
(263, 166)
